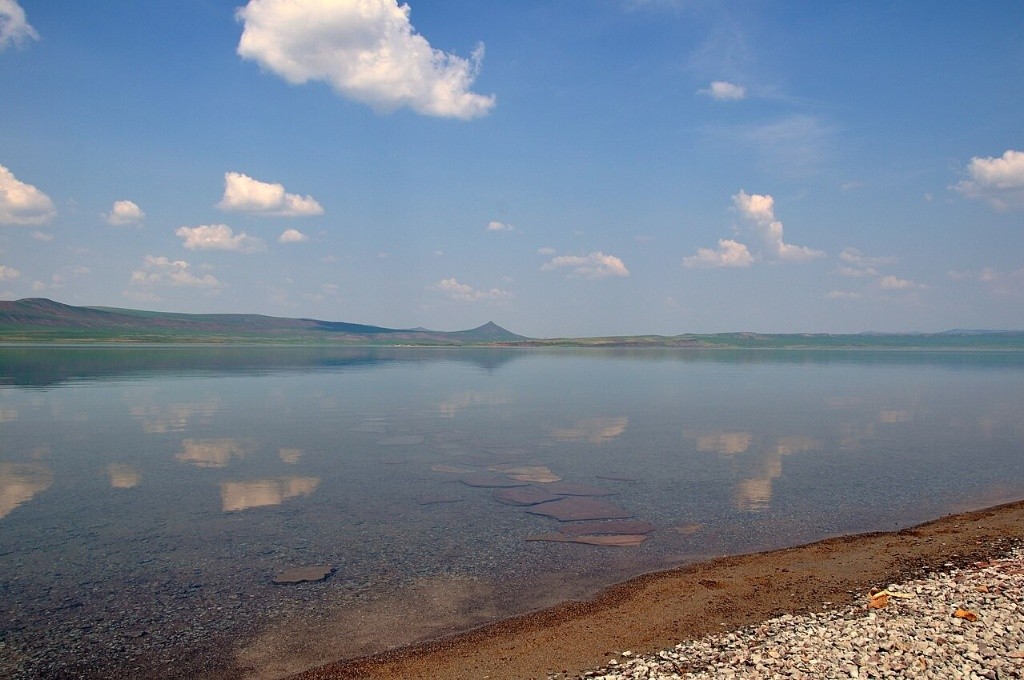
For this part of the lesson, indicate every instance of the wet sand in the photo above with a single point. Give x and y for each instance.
(658, 610)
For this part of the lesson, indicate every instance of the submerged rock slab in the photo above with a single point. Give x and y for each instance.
(524, 496)
(615, 526)
(579, 508)
(613, 540)
(491, 481)
(540, 474)
(573, 489)
(304, 574)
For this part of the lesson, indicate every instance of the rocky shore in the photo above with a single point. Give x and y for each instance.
(959, 623)
(949, 605)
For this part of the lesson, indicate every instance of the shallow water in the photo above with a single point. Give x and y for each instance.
(149, 496)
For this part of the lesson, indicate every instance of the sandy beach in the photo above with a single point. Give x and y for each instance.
(656, 611)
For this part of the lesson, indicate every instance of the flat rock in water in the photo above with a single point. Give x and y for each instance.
(528, 473)
(614, 540)
(491, 481)
(303, 574)
(524, 496)
(579, 508)
(402, 440)
(572, 489)
(615, 526)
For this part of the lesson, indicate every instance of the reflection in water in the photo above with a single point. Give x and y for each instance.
(258, 493)
(19, 482)
(894, 416)
(173, 417)
(761, 466)
(289, 456)
(593, 430)
(725, 443)
(462, 400)
(210, 453)
(123, 476)
(8, 415)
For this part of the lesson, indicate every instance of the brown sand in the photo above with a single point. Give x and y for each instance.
(658, 610)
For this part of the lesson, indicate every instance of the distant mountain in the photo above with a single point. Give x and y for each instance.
(42, 319)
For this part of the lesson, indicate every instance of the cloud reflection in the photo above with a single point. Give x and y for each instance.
(462, 400)
(123, 476)
(593, 430)
(290, 456)
(20, 482)
(210, 453)
(725, 443)
(258, 493)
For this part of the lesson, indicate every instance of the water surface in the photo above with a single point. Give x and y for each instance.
(149, 495)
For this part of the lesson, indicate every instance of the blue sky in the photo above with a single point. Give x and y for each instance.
(583, 167)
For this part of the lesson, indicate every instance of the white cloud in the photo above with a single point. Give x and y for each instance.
(14, 28)
(759, 210)
(891, 282)
(546, 251)
(729, 254)
(245, 194)
(856, 258)
(466, 293)
(124, 213)
(723, 91)
(292, 236)
(843, 295)
(8, 273)
(595, 265)
(367, 51)
(219, 237)
(42, 236)
(494, 225)
(161, 271)
(1000, 181)
(998, 282)
(22, 203)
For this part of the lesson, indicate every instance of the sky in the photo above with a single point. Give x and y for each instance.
(570, 168)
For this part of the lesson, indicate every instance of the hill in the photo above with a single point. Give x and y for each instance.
(40, 319)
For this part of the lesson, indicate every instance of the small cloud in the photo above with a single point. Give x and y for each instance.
(466, 293)
(124, 213)
(546, 251)
(42, 236)
(760, 211)
(729, 254)
(1000, 181)
(843, 295)
(161, 271)
(499, 226)
(367, 51)
(219, 237)
(858, 265)
(723, 91)
(851, 185)
(891, 282)
(22, 203)
(595, 265)
(14, 27)
(292, 236)
(245, 194)
(8, 273)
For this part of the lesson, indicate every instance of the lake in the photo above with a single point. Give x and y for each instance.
(149, 496)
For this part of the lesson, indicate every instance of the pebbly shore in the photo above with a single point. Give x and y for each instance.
(955, 623)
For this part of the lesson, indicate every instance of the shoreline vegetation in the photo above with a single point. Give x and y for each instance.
(659, 610)
(43, 321)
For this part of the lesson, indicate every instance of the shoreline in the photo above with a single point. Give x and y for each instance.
(658, 610)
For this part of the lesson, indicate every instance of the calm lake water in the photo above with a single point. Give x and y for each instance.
(149, 496)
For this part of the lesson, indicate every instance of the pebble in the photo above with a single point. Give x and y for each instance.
(915, 637)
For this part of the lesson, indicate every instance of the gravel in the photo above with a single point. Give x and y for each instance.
(956, 623)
